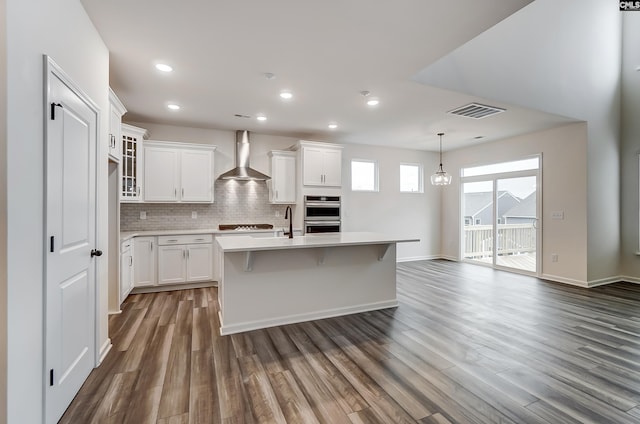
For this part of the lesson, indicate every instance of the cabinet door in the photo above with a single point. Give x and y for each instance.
(130, 165)
(161, 174)
(196, 176)
(200, 262)
(171, 264)
(283, 177)
(145, 262)
(332, 165)
(126, 274)
(115, 146)
(312, 168)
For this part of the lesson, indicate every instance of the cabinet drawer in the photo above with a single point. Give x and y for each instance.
(185, 239)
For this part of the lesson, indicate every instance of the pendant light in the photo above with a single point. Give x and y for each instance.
(440, 177)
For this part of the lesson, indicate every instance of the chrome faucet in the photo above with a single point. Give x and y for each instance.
(289, 215)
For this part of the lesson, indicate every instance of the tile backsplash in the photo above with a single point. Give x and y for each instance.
(236, 202)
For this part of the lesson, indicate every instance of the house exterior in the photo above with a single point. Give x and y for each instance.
(478, 207)
(582, 63)
(522, 213)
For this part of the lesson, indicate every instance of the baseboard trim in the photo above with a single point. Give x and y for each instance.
(172, 287)
(104, 350)
(628, 279)
(417, 258)
(291, 319)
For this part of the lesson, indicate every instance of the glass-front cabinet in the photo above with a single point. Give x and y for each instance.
(131, 165)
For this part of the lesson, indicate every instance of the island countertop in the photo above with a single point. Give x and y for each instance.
(248, 243)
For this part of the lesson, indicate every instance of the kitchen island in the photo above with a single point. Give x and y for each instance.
(273, 281)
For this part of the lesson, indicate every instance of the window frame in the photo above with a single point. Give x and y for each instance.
(420, 177)
(376, 172)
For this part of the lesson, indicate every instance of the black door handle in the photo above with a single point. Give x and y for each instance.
(95, 252)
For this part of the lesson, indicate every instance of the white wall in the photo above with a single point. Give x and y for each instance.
(630, 261)
(62, 30)
(563, 58)
(564, 188)
(3, 210)
(409, 215)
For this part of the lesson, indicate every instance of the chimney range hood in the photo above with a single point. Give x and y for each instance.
(242, 171)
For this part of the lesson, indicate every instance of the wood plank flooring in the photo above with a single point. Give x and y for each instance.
(468, 344)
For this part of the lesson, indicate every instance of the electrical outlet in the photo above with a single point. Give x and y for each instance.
(277, 214)
(143, 214)
(554, 257)
(194, 215)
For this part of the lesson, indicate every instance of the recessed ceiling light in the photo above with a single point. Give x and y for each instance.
(261, 118)
(478, 137)
(333, 125)
(164, 68)
(286, 95)
(173, 106)
(373, 101)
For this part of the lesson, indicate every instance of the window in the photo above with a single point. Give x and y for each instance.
(478, 221)
(496, 168)
(411, 178)
(364, 175)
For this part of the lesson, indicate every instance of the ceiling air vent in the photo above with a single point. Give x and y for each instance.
(476, 111)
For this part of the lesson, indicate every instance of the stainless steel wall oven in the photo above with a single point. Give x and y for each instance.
(322, 214)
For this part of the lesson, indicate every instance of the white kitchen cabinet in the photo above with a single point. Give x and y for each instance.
(178, 172)
(144, 258)
(131, 164)
(282, 185)
(126, 269)
(161, 174)
(321, 164)
(116, 110)
(186, 258)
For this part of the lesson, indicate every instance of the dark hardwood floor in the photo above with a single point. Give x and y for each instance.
(467, 344)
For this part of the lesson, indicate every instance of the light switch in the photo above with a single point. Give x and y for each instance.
(143, 214)
(557, 215)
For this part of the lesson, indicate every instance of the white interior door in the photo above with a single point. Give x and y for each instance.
(71, 136)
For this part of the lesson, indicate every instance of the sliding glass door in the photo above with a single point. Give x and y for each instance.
(499, 215)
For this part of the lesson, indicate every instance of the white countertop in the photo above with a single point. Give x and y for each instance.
(248, 243)
(125, 235)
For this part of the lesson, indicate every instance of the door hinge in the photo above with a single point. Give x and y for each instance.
(51, 377)
(53, 110)
(51, 244)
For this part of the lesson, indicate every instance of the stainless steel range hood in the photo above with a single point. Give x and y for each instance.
(242, 171)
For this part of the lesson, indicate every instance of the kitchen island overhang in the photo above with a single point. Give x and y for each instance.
(265, 282)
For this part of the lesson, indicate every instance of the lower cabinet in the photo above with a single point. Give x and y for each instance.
(126, 269)
(185, 259)
(144, 254)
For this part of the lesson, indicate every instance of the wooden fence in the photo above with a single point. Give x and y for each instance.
(512, 239)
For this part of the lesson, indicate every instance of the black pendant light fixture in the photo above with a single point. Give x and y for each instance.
(440, 177)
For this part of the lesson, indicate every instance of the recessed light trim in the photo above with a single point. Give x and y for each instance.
(163, 67)
(261, 118)
(286, 94)
(332, 125)
(173, 106)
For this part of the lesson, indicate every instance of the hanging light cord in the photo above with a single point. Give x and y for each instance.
(440, 135)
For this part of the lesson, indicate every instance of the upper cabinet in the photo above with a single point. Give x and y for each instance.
(282, 185)
(321, 164)
(131, 166)
(178, 172)
(116, 110)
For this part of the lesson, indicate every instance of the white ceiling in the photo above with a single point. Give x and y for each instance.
(325, 52)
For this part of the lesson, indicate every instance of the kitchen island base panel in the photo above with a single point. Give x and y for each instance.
(291, 285)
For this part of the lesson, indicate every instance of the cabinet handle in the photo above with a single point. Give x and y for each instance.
(183, 192)
(130, 260)
(200, 239)
(151, 246)
(187, 253)
(183, 254)
(172, 241)
(138, 190)
(175, 193)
